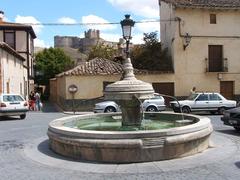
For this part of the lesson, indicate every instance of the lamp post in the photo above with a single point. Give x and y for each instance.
(127, 25)
(129, 91)
(187, 40)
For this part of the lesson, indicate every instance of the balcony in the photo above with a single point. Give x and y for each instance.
(221, 66)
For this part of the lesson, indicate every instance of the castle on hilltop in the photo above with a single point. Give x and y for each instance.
(91, 38)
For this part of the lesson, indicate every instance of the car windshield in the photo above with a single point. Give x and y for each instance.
(192, 96)
(9, 98)
(156, 97)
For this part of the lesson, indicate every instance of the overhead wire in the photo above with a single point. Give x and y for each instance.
(94, 24)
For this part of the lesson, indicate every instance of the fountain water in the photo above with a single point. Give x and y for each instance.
(79, 136)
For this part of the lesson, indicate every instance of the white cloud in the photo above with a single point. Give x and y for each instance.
(29, 20)
(144, 8)
(148, 27)
(67, 20)
(40, 43)
(137, 39)
(5, 19)
(95, 19)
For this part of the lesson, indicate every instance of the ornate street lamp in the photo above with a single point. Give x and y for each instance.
(187, 40)
(127, 25)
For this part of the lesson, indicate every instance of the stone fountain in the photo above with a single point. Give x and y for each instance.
(79, 137)
(129, 93)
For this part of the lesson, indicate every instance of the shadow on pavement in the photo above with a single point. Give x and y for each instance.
(229, 132)
(10, 118)
(44, 148)
(49, 107)
(237, 164)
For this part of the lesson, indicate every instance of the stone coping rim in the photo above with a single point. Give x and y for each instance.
(56, 126)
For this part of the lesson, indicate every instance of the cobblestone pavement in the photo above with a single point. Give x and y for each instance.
(24, 154)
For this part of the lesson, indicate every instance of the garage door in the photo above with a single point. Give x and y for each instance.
(164, 88)
(227, 89)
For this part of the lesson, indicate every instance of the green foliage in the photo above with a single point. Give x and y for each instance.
(150, 55)
(102, 51)
(50, 62)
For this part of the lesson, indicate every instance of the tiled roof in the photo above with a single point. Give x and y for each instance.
(98, 66)
(17, 26)
(223, 4)
(10, 50)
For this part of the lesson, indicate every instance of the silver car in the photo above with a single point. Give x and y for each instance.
(156, 103)
(212, 102)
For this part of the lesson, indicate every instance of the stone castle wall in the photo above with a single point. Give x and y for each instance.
(92, 37)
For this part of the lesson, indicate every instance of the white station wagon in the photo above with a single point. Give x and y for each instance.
(212, 102)
(13, 105)
(156, 103)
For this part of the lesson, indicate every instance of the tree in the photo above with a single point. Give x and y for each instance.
(102, 51)
(50, 62)
(150, 55)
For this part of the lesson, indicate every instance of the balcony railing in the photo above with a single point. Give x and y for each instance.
(223, 68)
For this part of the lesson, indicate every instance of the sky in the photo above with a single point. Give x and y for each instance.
(82, 11)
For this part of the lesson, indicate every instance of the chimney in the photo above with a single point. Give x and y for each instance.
(1, 16)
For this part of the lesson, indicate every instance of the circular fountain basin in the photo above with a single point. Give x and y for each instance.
(100, 137)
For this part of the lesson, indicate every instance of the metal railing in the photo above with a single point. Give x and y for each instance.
(224, 67)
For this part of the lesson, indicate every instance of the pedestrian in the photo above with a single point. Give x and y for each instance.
(193, 90)
(37, 101)
(31, 101)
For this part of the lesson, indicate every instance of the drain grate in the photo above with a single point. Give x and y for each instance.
(147, 142)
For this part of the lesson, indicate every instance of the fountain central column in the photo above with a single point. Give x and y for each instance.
(128, 93)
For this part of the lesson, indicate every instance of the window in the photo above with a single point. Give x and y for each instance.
(202, 97)
(32, 46)
(10, 98)
(215, 58)
(214, 97)
(156, 97)
(213, 19)
(9, 38)
(192, 97)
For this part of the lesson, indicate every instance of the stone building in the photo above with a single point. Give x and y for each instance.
(203, 38)
(91, 78)
(91, 38)
(13, 73)
(17, 39)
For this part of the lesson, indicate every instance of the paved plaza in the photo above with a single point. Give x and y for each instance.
(24, 154)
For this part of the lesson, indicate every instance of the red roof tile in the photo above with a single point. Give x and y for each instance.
(98, 66)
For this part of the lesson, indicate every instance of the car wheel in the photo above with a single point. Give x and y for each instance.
(221, 110)
(237, 128)
(151, 109)
(110, 109)
(22, 116)
(185, 109)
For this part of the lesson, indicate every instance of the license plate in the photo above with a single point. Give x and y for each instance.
(232, 121)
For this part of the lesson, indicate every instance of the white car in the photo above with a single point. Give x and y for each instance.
(156, 103)
(212, 102)
(13, 105)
